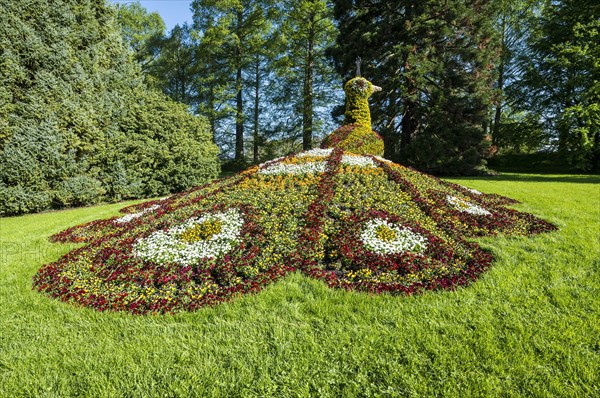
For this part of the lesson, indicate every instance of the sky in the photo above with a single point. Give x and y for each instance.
(173, 12)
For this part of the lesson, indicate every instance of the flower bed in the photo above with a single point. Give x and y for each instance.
(357, 222)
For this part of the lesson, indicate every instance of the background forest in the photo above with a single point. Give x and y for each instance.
(99, 103)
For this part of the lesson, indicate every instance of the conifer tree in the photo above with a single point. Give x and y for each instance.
(234, 24)
(561, 78)
(142, 32)
(306, 79)
(78, 124)
(434, 61)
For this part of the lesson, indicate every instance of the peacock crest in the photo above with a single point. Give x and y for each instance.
(341, 214)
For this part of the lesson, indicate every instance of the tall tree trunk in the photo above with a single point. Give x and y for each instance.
(239, 116)
(213, 112)
(307, 95)
(498, 113)
(256, 105)
(410, 121)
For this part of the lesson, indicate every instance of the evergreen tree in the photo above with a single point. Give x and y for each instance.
(234, 24)
(434, 61)
(142, 31)
(74, 111)
(178, 67)
(306, 79)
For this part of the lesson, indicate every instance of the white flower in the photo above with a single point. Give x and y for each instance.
(315, 152)
(361, 161)
(382, 159)
(399, 239)
(168, 246)
(269, 162)
(468, 207)
(128, 217)
(289, 168)
(474, 191)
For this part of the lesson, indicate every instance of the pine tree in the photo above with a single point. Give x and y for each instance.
(234, 24)
(142, 31)
(306, 80)
(178, 67)
(434, 61)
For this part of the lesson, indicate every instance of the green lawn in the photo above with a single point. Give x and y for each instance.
(529, 327)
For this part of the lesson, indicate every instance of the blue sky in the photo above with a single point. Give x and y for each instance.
(173, 12)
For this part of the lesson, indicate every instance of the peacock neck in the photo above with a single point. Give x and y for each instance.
(357, 111)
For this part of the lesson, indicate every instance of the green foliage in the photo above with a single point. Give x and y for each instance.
(520, 133)
(78, 124)
(559, 83)
(436, 70)
(357, 139)
(358, 91)
(306, 82)
(142, 31)
(356, 135)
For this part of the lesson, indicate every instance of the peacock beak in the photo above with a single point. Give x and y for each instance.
(376, 89)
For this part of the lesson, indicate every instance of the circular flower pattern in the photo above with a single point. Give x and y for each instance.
(383, 237)
(208, 236)
(467, 207)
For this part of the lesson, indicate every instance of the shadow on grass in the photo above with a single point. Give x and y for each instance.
(582, 179)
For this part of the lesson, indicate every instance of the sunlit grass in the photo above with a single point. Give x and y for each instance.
(529, 327)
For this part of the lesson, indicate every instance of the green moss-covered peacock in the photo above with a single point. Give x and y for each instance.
(341, 214)
(356, 135)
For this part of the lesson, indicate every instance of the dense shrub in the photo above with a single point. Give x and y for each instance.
(77, 124)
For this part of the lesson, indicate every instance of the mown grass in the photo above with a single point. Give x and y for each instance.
(529, 327)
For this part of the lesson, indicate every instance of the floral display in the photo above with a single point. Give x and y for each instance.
(316, 152)
(463, 205)
(131, 216)
(354, 220)
(204, 237)
(361, 161)
(383, 237)
(291, 168)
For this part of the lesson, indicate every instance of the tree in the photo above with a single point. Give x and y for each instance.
(305, 77)
(561, 78)
(512, 23)
(178, 67)
(79, 125)
(435, 63)
(142, 32)
(234, 24)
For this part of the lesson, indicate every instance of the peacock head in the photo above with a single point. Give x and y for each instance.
(359, 87)
(358, 91)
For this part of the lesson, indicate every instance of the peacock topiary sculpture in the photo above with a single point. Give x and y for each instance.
(356, 135)
(341, 214)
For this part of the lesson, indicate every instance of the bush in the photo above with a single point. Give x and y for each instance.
(78, 125)
(78, 191)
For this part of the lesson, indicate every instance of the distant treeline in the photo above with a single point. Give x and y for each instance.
(462, 79)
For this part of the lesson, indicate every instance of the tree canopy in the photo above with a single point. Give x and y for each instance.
(78, 124)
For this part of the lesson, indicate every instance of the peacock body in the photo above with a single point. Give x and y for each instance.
(341, 214)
